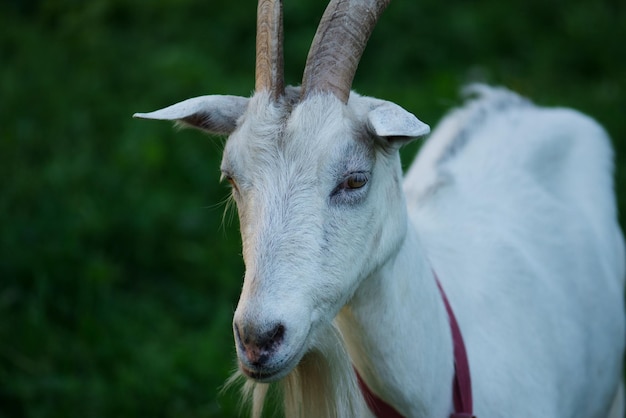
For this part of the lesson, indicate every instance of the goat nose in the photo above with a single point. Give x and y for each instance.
(258, 347)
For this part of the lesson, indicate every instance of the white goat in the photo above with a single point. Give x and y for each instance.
(512, 206)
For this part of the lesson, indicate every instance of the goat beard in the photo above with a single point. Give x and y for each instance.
(323, 384)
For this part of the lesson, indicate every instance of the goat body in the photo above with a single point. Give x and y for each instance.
(511, 204)
(514, 208)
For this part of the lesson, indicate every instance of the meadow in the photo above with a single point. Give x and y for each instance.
(119, 268)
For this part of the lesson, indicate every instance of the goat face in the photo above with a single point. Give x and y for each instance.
(317, 181)
(318, 190)
(320, 206)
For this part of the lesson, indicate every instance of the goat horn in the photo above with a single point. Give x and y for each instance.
(269, 48)
(338, 45)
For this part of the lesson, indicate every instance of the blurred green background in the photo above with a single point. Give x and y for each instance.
(119, 273)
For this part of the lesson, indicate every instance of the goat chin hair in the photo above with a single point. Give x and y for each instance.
(323, 384)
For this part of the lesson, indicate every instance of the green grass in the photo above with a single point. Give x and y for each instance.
(118, 276)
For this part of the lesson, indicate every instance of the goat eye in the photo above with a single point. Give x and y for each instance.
(230, 180)
(352, 188)
(355, 181)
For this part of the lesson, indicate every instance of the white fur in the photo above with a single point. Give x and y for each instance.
(512, 206)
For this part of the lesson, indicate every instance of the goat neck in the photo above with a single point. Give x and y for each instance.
(408, 362)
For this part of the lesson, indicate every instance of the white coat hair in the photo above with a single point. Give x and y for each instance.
(511, 204)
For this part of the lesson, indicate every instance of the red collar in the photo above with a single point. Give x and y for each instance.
(461, 385)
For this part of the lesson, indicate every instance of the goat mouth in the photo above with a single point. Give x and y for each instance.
(277, 371)
(260, 376)
(272, 374)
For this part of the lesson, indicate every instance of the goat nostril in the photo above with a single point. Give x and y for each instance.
(271, 339)
(239, 338)
(280, 332)
(276, 335)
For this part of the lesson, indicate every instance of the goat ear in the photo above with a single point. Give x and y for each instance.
(214, 114)
(390, 121)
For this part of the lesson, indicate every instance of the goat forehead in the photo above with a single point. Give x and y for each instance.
(305, 139)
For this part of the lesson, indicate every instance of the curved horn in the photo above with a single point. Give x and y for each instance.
(338, 45)
(269, 48)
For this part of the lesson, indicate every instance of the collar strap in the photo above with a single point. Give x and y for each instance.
(461, 385)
